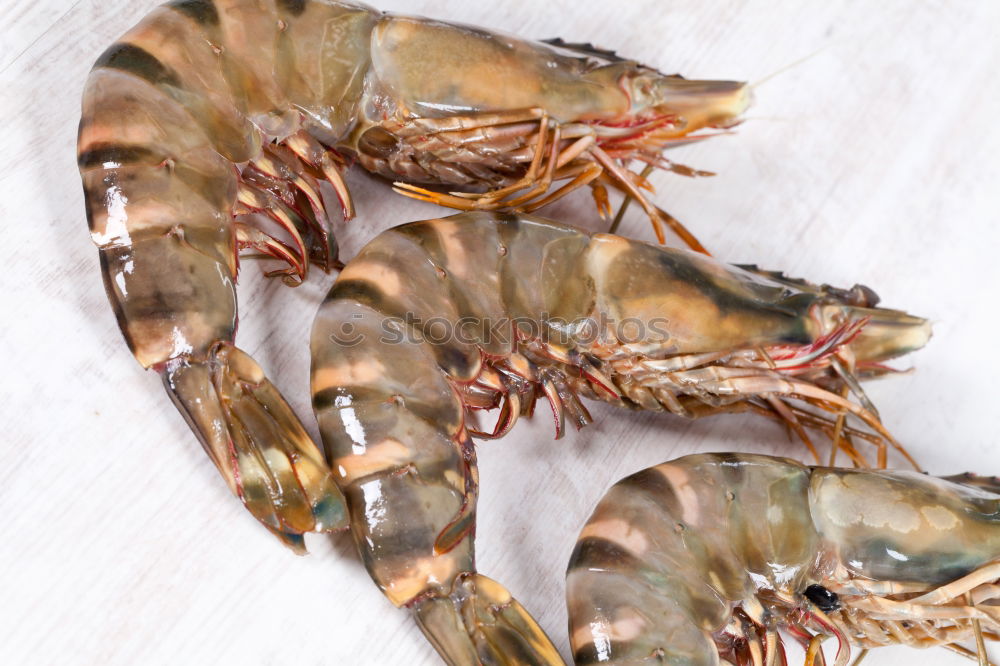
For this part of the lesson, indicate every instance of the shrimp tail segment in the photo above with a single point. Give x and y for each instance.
(260, 447)
(479, 622)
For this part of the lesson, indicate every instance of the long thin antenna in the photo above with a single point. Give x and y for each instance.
(784, 69)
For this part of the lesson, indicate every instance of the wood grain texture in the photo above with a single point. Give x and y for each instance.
(875, 160)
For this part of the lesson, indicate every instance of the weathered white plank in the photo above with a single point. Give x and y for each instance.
(875, 160)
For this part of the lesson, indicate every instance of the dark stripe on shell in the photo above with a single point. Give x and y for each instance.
(327, 398)
(134, 60)
(293, 7)
(589, 654)
(651, 482)
(362, 292)
(598, 553)
(202, 11)
(718, 292)
(120, 155)
(733, 468)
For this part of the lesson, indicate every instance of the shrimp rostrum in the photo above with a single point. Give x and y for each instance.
(209, 127)
(712, 557)
(433, 321)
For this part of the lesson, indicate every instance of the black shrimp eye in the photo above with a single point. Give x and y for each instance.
(824, 599)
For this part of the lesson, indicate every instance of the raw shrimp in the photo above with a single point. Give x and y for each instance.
(434, 320)
(208, 128)
(708, 556)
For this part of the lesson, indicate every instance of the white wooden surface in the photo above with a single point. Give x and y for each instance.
(876, 160)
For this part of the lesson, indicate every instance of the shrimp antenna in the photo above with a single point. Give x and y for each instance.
(782, 70)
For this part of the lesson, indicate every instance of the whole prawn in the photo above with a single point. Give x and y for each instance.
(435, 320)
(705, 558)
(208, 128)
